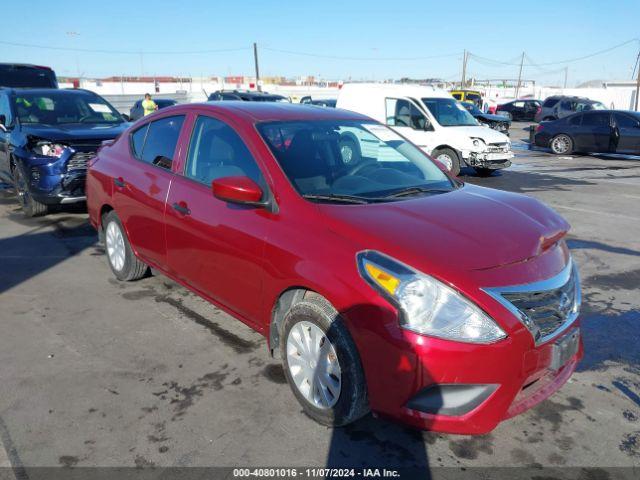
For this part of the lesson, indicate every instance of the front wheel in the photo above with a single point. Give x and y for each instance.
(123, 262)
(561, 144)
(30, 206)
(321, 363)
(449, 159)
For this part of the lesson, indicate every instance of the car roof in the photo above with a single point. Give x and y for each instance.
(44, 91)
(273, 111)
(401, 89)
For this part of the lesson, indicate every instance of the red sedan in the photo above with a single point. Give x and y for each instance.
(382, 283)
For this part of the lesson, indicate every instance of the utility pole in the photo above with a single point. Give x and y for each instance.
(637, 80)
(464, 69)
(520, 76)
(255, 58)
(566, 72)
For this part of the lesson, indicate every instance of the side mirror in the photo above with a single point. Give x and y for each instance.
(240, 190)
(427, 125)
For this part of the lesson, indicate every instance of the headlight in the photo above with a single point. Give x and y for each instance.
(49, 149)
(478, 143)
(427, 306)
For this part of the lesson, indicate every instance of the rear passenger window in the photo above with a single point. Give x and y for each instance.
(550, 102)
(575, 120)
(156, 142)
(137, 141)
(596, 119)
(217, 151)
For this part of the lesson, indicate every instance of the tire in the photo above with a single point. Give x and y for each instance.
(350, 151)
(123, 262)
(449, 158)
(349, 401)
(30, 206)
(561, 144)
(484, 172)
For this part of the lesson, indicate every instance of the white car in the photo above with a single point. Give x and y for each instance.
(433, 120)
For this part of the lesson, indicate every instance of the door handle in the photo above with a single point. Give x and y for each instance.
(119, 182)
(182, 208)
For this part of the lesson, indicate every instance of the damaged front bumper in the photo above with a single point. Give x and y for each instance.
(54, 180)
(489, 159)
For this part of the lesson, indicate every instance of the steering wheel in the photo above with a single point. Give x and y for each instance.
(362, 166)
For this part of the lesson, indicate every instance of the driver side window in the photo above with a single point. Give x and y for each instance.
(403, 113)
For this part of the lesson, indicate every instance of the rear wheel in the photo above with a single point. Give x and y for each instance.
(30, 206)
(561, 144)
(321, 363)
(123, 262)
(449, 158)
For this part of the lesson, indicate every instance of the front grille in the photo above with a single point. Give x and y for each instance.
(546, 308)
(79, 160)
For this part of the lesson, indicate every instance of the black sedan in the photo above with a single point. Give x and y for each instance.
(599, 131)
(137, 112)
(521, 110)
(500, 123)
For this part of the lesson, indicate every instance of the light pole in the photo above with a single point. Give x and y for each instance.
(74, 34)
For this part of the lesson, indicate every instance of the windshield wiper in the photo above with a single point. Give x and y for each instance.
(332, 197)
(405, 192)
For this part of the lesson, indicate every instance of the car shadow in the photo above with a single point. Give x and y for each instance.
(49, 241)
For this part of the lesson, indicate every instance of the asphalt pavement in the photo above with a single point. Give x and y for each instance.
(95, 372)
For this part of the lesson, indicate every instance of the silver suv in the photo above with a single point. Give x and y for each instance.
(560, 106)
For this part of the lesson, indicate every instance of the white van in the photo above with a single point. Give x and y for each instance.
(433, 120)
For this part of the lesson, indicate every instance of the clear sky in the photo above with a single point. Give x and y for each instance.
(374, 39)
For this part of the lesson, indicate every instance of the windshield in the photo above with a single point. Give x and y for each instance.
(338, 160)
(449, 113)
(63, 107)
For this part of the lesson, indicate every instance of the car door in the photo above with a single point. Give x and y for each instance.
(214, 246)
(141, 187)
(626, 133)
(5, 138)
(518, 111)
(594, 133)
(404, 116)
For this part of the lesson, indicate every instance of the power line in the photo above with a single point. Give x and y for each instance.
(559, 62)
(125, 52)
(335, 57)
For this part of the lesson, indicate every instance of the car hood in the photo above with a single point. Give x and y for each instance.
(493, 118)
(471, 228)
(488, 135)
(61, 133)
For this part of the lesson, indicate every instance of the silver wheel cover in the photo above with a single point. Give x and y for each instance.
(560, 144)
(347, 153)
(115, 246)
(313, 365)
(445, 160)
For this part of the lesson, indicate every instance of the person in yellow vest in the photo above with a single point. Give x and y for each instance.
(148, 105)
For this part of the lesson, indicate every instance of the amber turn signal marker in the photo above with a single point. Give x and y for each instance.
(387, 281)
